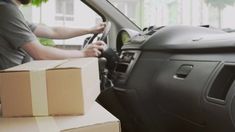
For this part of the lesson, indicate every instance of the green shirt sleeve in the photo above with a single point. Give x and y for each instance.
(14, 27)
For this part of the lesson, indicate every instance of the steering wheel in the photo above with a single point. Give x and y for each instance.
(110, 55)
(104, 34)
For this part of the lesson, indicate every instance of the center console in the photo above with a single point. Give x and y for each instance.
(125, 66)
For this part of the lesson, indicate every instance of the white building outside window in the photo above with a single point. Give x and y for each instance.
(67, 13)
(178, 12)
(64, 10)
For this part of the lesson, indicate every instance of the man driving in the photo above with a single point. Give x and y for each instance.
(18, 38)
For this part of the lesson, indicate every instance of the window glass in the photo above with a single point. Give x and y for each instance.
(64, 10)
(65, 13)
(65, 7)
(216, 13)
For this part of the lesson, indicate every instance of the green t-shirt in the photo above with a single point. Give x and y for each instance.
(15, 31)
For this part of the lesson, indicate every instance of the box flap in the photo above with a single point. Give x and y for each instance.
(51, 64)
(36, 65)
(77, 63)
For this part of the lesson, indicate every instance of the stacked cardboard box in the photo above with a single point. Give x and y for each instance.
(97, 119)
(40, 89)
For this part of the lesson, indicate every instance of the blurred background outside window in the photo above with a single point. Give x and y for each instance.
(217, 13)
(67, 13)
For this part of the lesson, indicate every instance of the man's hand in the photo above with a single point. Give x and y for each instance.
(98, 28)
(94, 50)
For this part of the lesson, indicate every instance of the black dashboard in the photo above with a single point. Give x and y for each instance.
(177, 78)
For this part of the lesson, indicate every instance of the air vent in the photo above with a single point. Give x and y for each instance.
(222, 83)
(121, 68)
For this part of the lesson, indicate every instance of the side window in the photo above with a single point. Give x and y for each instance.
(65, 13)
(173, 11)
(128, 8)
(64, 10)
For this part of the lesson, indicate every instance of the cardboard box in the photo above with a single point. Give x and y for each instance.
(41, 88)
(96, 120)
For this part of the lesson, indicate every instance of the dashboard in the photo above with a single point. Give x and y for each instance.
(129, 43)
(185, 73)
(128, 38)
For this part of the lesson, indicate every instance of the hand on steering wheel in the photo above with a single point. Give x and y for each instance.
(103, 37)
(94, 50)
(107, 53)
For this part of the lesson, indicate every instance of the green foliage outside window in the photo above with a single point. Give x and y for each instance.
(38, 2)
(46, 42)
(43, 41)
(220, 3)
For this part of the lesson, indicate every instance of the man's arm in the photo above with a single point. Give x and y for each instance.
(65, 32)
(40, 52)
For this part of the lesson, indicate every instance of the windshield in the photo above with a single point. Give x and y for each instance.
(216, 13)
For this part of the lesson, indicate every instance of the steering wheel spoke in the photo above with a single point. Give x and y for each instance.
(103, 36)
